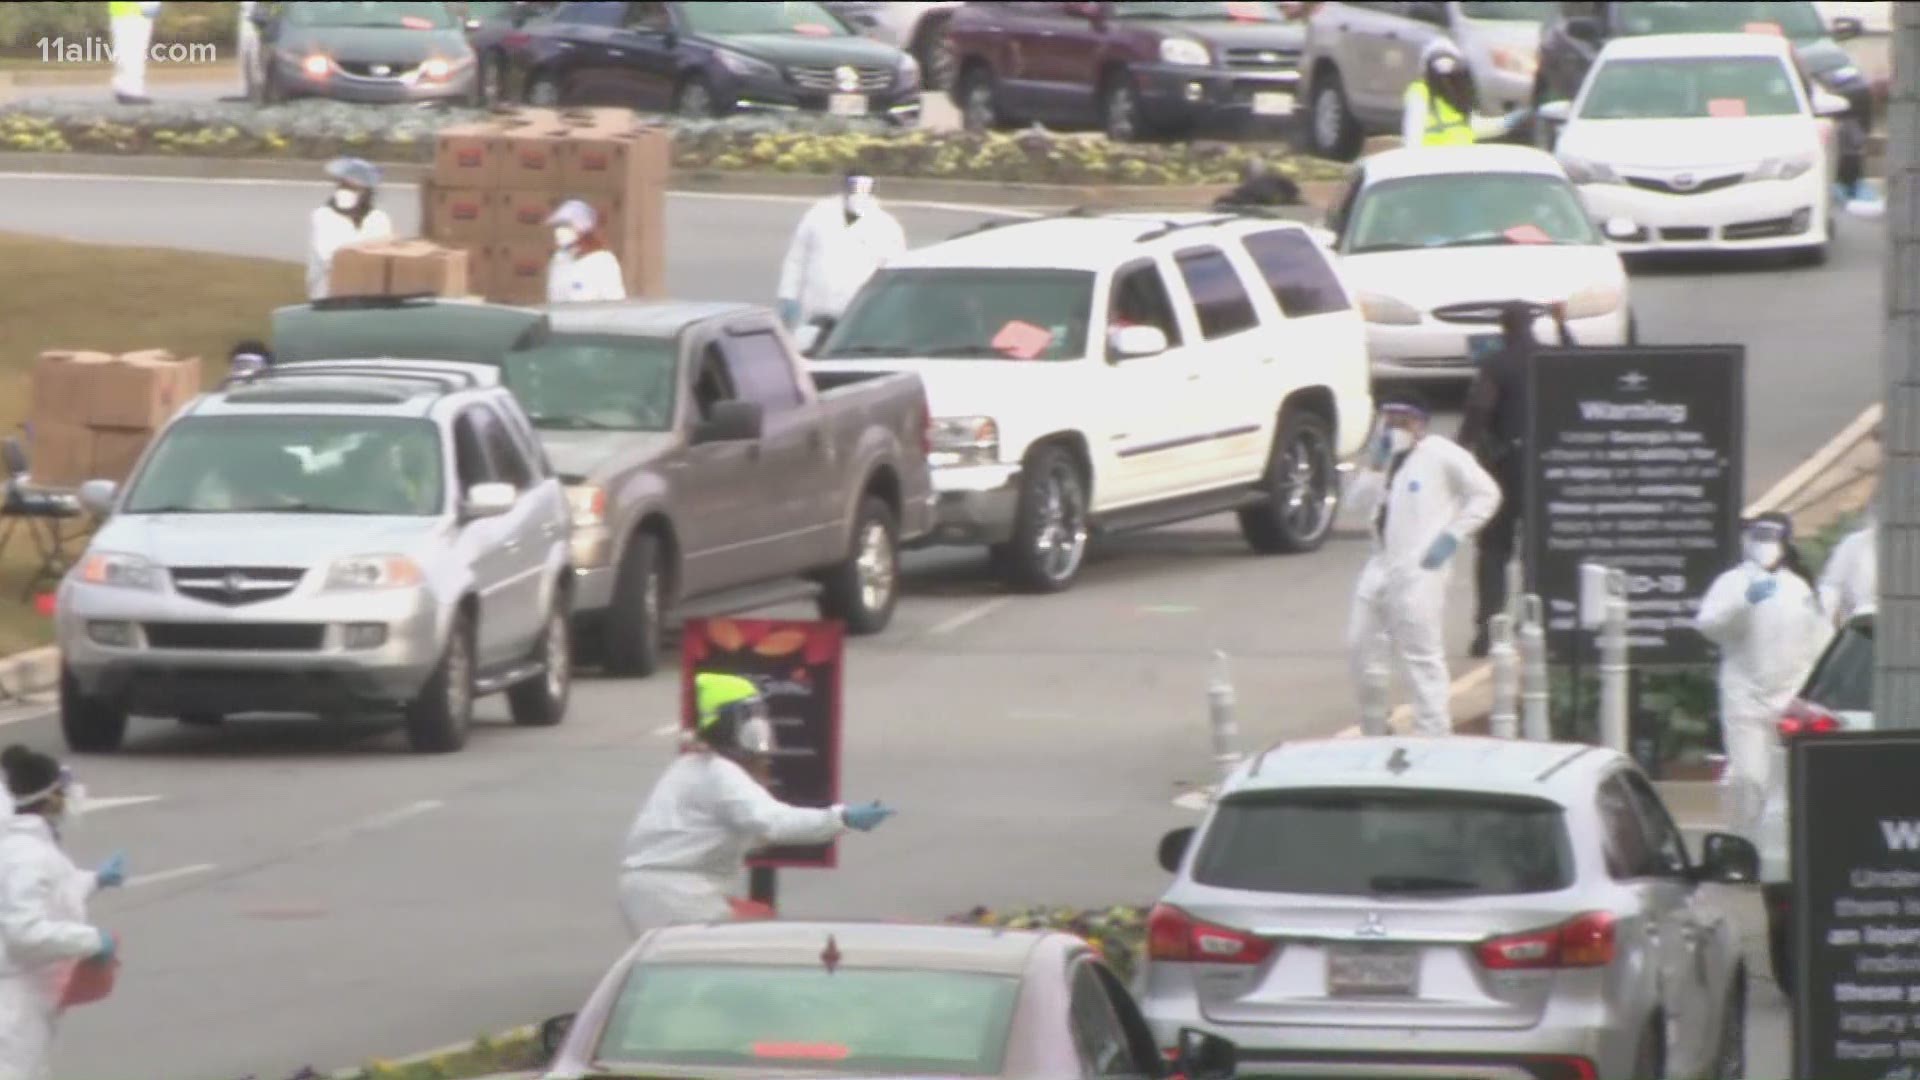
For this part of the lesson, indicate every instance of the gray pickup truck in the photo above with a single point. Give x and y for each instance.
(707, 471)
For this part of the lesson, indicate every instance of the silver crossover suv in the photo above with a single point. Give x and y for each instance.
(325, 538)
(1467, 908)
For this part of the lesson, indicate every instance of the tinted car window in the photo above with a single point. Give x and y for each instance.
(590, 13)
(1453, 210)
(595, 384)
(966, 314)
(1104, 1047)
(1510, 10)
(346, 465)
(1218, 297)
(1668, 847)
(1198, 10)
(1798, 19)
(791, 17)
(504, 451)
(1140, 298)
(1302, 282)
(762, 372)
(1364, 843)
(470, 453)
(1843, 680)
(397, 16)
(1622, 835)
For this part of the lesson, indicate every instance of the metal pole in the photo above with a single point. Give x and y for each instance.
(1226, 730)
(1533, 670)
(1613, 665)
(1896, 689)
(1504, 657)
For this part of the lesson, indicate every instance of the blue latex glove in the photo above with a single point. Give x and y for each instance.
(866, 817)
(790, 313)
(1442, 549)
(108, 947)
(1761, 590)
(112, 873)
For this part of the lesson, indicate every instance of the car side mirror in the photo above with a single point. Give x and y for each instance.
(1729, 860)
(1173, 849)
(97, 496)
(1846, 28)
(553, 1033)
(732, 421)
(1555, 112)
(1830, 104)
(1134, 342)
(1620, 228)
(1201, 1056)
(488, 500)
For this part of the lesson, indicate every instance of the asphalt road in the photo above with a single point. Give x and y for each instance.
(326, 897)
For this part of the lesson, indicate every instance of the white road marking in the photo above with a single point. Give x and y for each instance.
(968, 617)
(94, 804)
(392, 817)
(164, 876)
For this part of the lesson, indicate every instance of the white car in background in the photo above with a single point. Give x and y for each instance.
(1433, 227)
(1706, 142)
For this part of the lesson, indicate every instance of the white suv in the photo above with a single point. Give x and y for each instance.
(1097, 373)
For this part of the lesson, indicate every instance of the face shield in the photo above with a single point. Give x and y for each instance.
(1765, 543)
(753, 731)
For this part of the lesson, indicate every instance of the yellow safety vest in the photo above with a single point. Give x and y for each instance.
(1446, 125)
(116, 9)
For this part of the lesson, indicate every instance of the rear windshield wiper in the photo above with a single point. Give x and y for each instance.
(1368, 249)
(172, 510)
(1413, 883)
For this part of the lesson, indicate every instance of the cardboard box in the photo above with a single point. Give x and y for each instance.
(467, 155)
(530, 156)
(359, 270)
(63, 384)
(517, 273)
(60, 455)
(607, 159)
(115, 451)
(458, 217)
(142, 390)
(416, 267)
(522, 215)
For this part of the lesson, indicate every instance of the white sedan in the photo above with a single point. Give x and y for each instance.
(1703, 142)
(1436, 227)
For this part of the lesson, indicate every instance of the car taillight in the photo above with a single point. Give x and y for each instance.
(1582, 942)
(1173, 936)
(1806, 718)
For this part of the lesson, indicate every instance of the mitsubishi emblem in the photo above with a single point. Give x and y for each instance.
(1685, 181)
(1373, 927)
(846, 78)
(1633, 381)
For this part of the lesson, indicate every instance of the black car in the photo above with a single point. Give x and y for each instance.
(705, 59)
(1570, 42)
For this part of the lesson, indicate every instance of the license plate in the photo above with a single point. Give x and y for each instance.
(1373, 972)
(1273, 104)
(1479, 345)
(847, 105)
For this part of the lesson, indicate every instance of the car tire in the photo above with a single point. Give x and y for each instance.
(267, 91)
(937, 62)
(1332, 129)
(440, 717)
(545, 91)
(1120, 108)
(201, 719)
(90, 725)
(632, 639)
(1730, 1063)
(695, 100)
(542, 701)
(1780, 952)
(978, 100)
(1302, 488)
(863, 590)
(1650, 1058)
(1052, 527)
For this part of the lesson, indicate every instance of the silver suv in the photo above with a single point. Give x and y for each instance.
(325, 538)
(1457, 907)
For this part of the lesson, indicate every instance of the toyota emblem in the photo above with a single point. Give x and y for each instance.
(846, 78)
(1374, 927)
(381, 69)
(1684, 182)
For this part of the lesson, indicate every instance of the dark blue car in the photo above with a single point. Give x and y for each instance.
(703, 59)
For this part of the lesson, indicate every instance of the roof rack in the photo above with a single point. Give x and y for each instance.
(447, 379)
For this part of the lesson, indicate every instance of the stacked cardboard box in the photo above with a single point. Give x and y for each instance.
(93, 413)
(399, 268)
(495, 182)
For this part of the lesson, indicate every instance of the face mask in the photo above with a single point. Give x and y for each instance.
(565, 237)
(346, 200)
(859, 206)
(1765, 553)
(1399, 439)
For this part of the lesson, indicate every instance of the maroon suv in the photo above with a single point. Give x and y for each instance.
(1128, 68)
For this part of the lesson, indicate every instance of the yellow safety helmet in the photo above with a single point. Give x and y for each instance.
(731, 713)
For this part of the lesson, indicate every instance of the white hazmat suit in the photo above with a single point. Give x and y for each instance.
(579, 278)
(1398, 608)
(43, 930)
(1766, 650)
(830, 258)
(332, 230)
(692, 837)
(1850, 584)
(132, 36)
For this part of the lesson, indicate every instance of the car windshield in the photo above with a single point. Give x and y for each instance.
(1381, 843)
(596, 383)
(1199, 9)
(790, 17)
(1843, 680)
(1796, 19)
(400, 16)
(855, 1021)
(1465, 209)
(489, 12)
(1690, 88)
(1511, 10)
(983, 314)
(293, 464)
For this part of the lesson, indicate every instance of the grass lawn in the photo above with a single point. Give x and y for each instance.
(86, 296)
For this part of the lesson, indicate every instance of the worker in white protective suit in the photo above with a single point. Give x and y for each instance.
(1426, 496)
(693, 835)
(1850, 582)
(349, 216)
(247, 47)
(130, 27)
(840, 243)
(582, 269)
(1767, 623)
(44, 930)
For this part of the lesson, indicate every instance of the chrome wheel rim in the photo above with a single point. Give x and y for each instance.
(875, 566)
(1327, 121)
(1307, 496)
(1061, 541)
(459, 680)
(979, 107)
(559, 658)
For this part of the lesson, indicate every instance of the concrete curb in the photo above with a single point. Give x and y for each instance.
(32, 672)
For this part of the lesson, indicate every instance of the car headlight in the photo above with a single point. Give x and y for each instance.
(908, 70)
(589, 505)
(746, 66)
(964, 440)
(1514, 61)
(1782, 168)
(1386, 310)
(374, 572)
(119, 571)
(1185, 51)
(316, 66)
(1594, 300)
(435, 68)
(1582, 171)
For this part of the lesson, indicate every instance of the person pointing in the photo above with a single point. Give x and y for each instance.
(709, 811)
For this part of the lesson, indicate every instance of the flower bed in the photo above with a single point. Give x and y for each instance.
(806, 145)
(1118, 933)
(485, 1057)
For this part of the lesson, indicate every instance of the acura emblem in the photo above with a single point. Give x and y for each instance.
(381, 69)
(1373, 927)
(1684, 181)
(846, 78)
